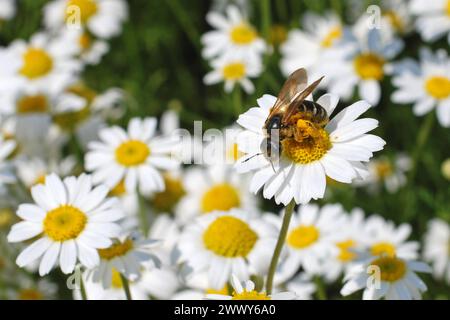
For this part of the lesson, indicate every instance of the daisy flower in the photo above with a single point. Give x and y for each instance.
(233, 34)
(310, 47)
(364, 67)
(222, 243)
(433, 18)
(310, 240)
(126, 255)
(302, 286)
(397, 15)
(43, 62)
(232, 71)
(214, 188)
(337, 151)
(70, 220)
(386, 276)
(437, 248)
(427, 85)
(131, 155)
(102, 18)
(160, 283)
(383, 238)
(247, 291)
(386, 171)
(7, 9)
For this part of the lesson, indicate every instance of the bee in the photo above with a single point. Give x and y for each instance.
(293, 117)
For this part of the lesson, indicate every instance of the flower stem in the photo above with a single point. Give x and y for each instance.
(265, 21)
(82, 289)
(143, 215)
(321, 294)
(281, 238)
(126, 286)
(237, 100)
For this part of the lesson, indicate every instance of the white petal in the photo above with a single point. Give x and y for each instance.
(49, 259)
(68, 257)
(33, 251)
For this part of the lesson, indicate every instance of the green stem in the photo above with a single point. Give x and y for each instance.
(76, 148)
(143, 215)
(320, 290)
(281, 238)
(265, 21)
(126, 287)
(82, 289)
(237, 100)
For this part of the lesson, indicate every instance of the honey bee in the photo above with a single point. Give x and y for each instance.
(293, 117)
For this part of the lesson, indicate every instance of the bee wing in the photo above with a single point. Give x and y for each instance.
(292, 109)
(296, 82)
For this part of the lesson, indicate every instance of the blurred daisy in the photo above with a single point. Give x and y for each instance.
(310, 47)
(131, 155)
(437, 248)
(310, 240)
(234, 71)
(71, 221)
(247, 291)
(388, 172)
(302, 286)
(102, 18)
(222, 243)
(397, 15)
(29, 289)
(7, 9)
(397, 279)
(160, 283)
(126, 255)
(385, 239)
(364, 67)
(44, 63)
(427, 85)
(433, 18)
(233, 34)
(214, 188)
(337, 151)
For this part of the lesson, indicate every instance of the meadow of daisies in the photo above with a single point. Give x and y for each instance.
(133, 162)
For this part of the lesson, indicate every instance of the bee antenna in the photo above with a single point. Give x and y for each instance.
(257, 154)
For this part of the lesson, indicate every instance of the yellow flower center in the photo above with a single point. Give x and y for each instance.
(39, 180)
(30, 294)
(64, 223)
(391, 268)
(345, 253)
(395, 20)
(117, 249)
(116, 280)
(6, 217)
(85, 41)
(229, 237)
(32, 104)
(303, 236)
(314, 144)
(383, 169)
(118, 190)
(234, 71)
(369, 66)
(166, 200)
(243, 34)
(36, 63)
(383, 249)
(87, 8)
(250, 295)
(132, 153)
(333, 35)
(438, 87)
(222, 197)
(448, 8)
(223, 291)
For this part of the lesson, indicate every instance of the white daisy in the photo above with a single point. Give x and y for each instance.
(384, 238)
(312, 46)
(390, 277)
(337, 150)
(234, 70)
(437, 248)
(302, 286)
(310, 240)
(71, 221)
(7, 9)
(386, 171)
(364, 67)
(126, 255)
(233, 34)
(131, 155)
(397, 15)
(102, 18)
(433, 18)
(214, 188)
(427, 85)
(247, 291)
(222, 243)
